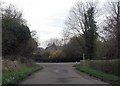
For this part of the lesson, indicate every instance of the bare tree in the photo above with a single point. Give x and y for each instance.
(113, 24)
(75, 21)
(56, 41)
(81, 22)
(65, 36)
(35, 37)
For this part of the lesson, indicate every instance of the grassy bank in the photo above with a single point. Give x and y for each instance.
(108, 66)
(13, 76)
(99, 74)
(0, 77)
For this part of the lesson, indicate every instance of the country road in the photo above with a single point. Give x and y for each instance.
(60, 73)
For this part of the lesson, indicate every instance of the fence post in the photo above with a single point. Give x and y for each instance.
(83, 59)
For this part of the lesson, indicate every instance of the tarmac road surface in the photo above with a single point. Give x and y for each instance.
(60, 73)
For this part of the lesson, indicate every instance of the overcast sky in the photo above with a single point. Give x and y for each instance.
(44, 16)
(47, 17)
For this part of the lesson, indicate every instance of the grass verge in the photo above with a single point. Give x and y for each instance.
(112, 79)
(16, 75)
(0, 78)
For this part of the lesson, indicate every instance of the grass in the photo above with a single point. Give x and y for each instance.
(108, 66)
(15, 75)
(99, 74)
(0, 77)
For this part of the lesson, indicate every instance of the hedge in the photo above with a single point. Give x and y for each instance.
(108, 66)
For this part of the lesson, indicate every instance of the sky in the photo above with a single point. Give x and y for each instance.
(46, 17)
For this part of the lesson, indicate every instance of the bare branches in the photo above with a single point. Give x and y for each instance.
(76, 19)
(12, 12)
(81, 22)
(113, 24)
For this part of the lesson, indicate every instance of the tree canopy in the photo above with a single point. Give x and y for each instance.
(16, 35)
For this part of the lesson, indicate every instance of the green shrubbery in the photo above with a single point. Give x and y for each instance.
(110, 78)
(108, 66)
(12, 75)
(0, 78)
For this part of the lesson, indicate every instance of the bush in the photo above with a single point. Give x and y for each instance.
(110, 78)
(13, 71)
(108, 66)
(57, 59)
